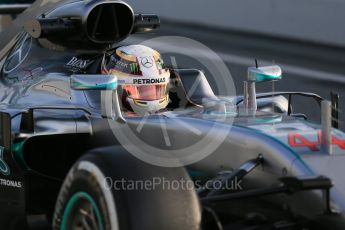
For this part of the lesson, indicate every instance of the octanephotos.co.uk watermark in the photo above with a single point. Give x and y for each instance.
(162, 183)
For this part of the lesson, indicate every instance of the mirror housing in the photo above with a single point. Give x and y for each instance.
(258, 74)
(107, 84)
(266, 73)
(93, 82)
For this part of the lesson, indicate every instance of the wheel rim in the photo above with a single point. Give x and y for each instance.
(81, 213)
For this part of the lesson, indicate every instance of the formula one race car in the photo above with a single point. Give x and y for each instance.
(70, 152)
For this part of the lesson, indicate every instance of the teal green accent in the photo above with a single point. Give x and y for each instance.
(298, 157)
(18, 155)
(134, 68)
(72, 201)
(4, 169)
(264, 77)
(194, 174)
(268, 120)
(109, 86)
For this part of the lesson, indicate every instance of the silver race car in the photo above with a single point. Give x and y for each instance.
(70, 152)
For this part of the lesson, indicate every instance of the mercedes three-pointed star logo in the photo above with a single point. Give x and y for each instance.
(146, 62)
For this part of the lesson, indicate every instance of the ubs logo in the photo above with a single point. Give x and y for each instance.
(4, 169)
(147, 62)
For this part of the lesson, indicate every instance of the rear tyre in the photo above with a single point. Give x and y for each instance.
(96, 195)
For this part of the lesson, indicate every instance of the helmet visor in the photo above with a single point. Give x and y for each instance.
(146, 92)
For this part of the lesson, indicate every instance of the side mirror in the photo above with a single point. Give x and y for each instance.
(93, 82)
(260, 74)
(107, 84)
(266, 73)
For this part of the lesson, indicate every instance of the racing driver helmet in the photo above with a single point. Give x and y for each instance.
(142, 77)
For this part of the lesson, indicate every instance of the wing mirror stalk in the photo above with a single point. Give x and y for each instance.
(326, 126)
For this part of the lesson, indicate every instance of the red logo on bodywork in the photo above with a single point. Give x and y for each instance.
(298, 140)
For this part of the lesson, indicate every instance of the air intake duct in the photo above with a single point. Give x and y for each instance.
(99, 22)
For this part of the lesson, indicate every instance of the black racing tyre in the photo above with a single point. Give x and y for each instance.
(105, 190)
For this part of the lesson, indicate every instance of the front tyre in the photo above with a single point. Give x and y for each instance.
(88, 201)
(82, 202)
(82, 212)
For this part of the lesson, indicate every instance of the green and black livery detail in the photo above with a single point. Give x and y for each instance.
(4, 168)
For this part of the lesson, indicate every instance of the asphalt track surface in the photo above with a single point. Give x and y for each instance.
(306, 66)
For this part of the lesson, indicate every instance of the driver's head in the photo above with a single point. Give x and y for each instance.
(144, 79)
